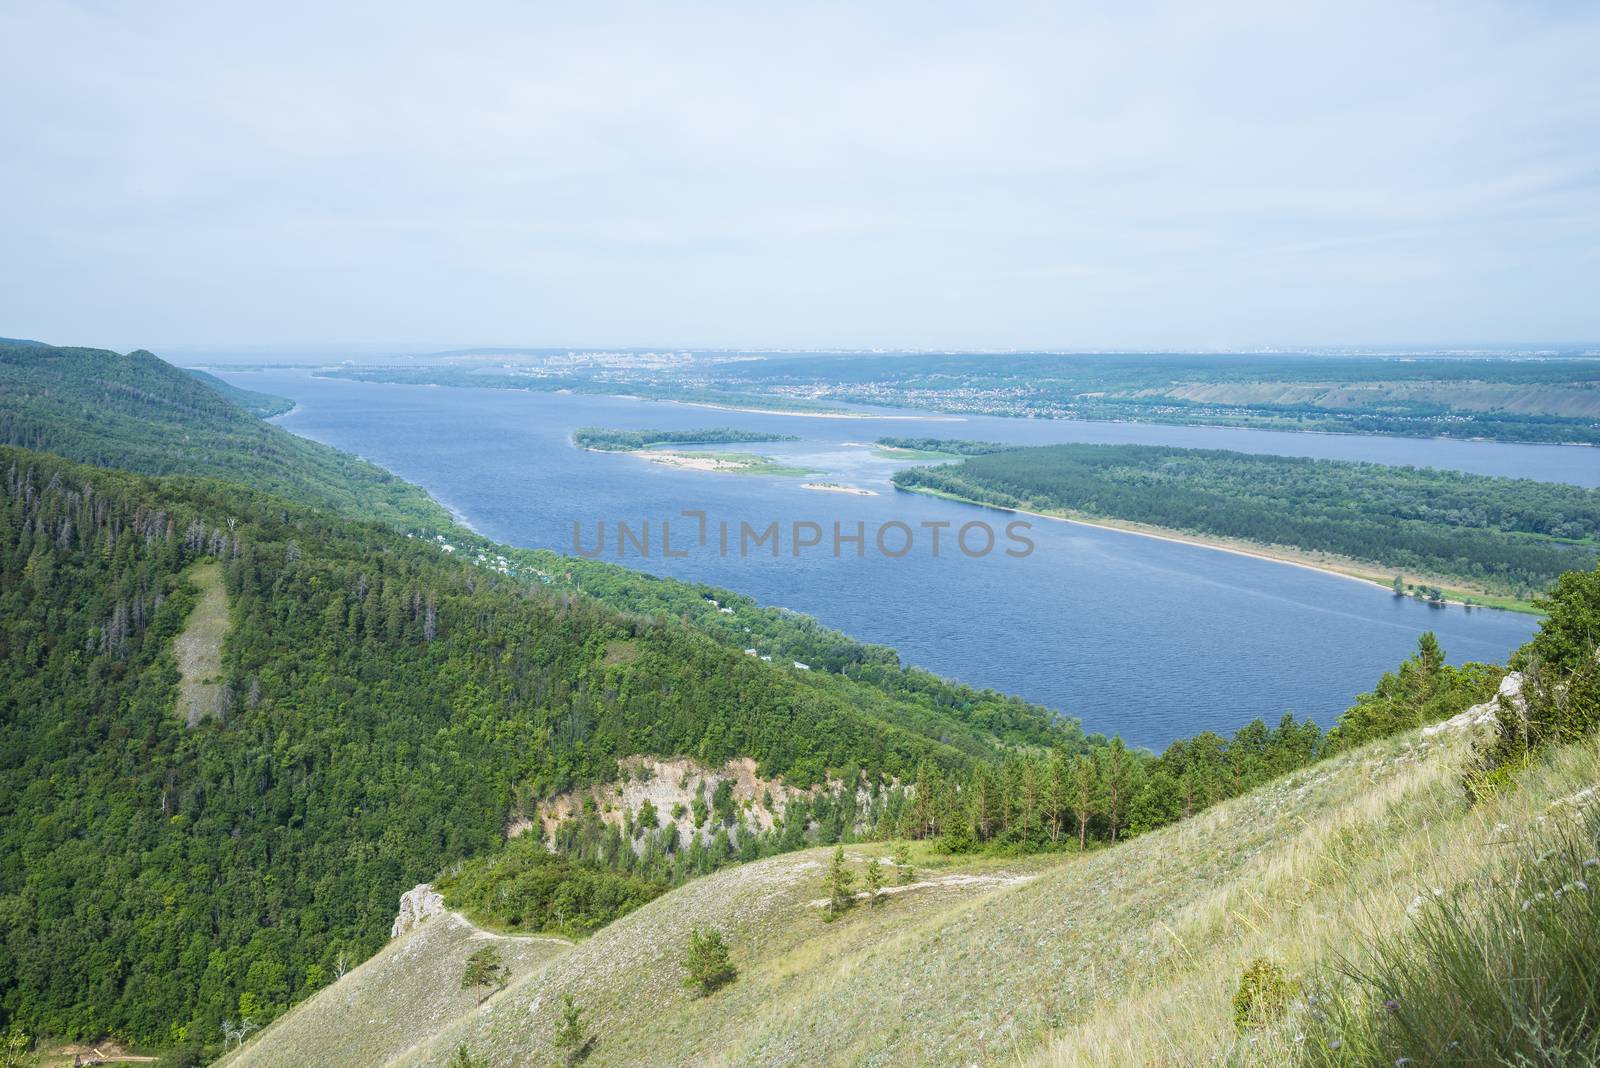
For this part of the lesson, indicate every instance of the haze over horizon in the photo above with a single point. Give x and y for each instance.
(905, 177)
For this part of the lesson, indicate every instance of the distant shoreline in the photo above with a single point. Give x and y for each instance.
(819, 415)
(1352, 570)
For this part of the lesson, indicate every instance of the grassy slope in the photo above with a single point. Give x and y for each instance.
(198, 649)
(406, 993)
(1128, 955)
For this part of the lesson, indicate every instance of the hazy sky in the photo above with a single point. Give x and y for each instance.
(916, 175)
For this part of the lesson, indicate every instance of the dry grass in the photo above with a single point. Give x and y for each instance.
(407, 992)
(1128, 955)
(198, 648)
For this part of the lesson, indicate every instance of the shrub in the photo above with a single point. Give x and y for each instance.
(1263, 994)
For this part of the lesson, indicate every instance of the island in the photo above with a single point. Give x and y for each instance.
(601, 439)
(656, 447)
(934, 448)
(1437, 535)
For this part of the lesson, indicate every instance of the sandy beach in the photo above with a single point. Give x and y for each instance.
(1353, 570)
(834, 487)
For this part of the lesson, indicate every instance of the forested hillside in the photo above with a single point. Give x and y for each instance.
(140, 413)
(383, 701)
(260, 405)
(1507, 535)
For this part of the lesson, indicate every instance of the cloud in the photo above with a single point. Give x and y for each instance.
(898, 174)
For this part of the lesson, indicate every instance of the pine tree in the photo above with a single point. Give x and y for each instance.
(902, 861)
(840, 880)
(874, 880)
(1117, 775)
(1057, 791)
(484, 968)
(706, 962)
(572, 1037)
(1085, 795)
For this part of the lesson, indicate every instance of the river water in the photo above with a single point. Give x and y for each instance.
(1147, 638)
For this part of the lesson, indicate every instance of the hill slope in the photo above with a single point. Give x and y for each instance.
(382, 703)
(1128, 955)
(260, 405)
(407, 993)
(139, 413)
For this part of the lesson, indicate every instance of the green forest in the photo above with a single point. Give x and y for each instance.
(140, 413)
(386, 705)
(260, 405)
(949, 446)
(163, 874)
(1512, 536)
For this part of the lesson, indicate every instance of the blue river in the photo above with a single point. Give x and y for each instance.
(1148, 638)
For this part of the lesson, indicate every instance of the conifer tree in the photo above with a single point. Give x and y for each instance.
(484, 968)
(902, 861)
(706, 962)
(840, 881)
(1085, 795)
(572, 1037)
(874, 880)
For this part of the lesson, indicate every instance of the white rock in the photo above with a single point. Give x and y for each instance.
(416, 905)
(1477, 715)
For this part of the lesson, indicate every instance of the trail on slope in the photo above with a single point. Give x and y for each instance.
(198, 648)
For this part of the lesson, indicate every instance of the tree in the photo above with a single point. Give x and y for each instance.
(707, 963)
(1118, 771)
(572, 1037)
(484, 968)
(1085, 795)
(840, 880)
(14, 1051)
(874, 880)
(902, 861)
(1057, 790)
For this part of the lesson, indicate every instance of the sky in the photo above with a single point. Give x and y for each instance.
(918, 175)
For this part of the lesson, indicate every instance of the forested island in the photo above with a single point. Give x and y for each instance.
(1505, 539)
(937, 447)
(601, 439)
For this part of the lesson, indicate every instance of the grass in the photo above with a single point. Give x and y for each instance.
(1125, 955)
(1504, 968)
(198, 648)
(406, 993)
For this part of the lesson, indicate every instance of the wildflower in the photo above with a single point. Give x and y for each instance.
(1391, 1005)
(1334, 1043)
(1401, 1061)
(1591, 862)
